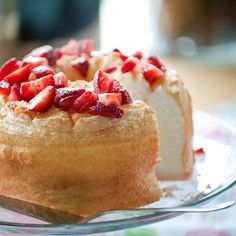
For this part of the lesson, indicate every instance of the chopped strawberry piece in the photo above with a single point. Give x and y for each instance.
(29, 89)
(110, 99)
(109, 111)
(85, 46)
(138, 55)
(43, 100)
(111, 69)
(199, 151)
(102, 82)
(15, 93)
(67, 102)
(35, 61)
(129, 64)
(60, 80)
(41, 71)
(121, 55)
(154, 61)
(81, 64)
(74, 47)
(57, 53)
(126, 98)
(152, 74)
(18, 75)
(5, 88)
(62, 93)
(7, 68)
(85, 101)
(46, 51)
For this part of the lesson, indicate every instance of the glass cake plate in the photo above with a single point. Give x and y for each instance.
(215, 172)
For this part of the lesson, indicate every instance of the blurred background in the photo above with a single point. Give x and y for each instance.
(195, 37)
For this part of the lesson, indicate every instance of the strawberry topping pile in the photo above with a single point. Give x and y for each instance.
(41, 88)
(151, 68)
(34, 80)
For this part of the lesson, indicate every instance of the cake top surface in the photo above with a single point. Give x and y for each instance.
(38, 80)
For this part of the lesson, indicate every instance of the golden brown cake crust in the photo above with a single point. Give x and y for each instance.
(78, 163)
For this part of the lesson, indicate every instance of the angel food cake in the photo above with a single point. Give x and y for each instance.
(84, 131)
(146, 79)
(74, 146)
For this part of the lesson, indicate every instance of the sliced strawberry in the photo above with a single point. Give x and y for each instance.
(43, 100)
(62, 93)
(15, 93)
(18, 75)
(85, 101)
(138, 55)
(121, 55)
(41, 71)
(81, 64)
(60, 80)
(110, 99)
(152, 74)
(8, 67)
(155, 61)
(85, 46)
(5, 88)
(67, 102)
(109, 111)
(126, 98)
(46, 51)
(129, 64)
(111, 69)
(102, 82)
(29, 89)
(35, 61)
(74, 47)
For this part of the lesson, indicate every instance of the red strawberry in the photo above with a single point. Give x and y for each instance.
(62, 93)
(9, 66)
(154, 61)
(109, 111)
(43, 100)
(121, 55)
(31, 88)
(67, 102)
(35, 61)
(74, 47)
(41, 71)
(104, 83)
(85, 46)
(111, 69)
(46, 51)
(85, 101)
(15, 93)
(82, 65)
(5, 88)
(110, 99)
(126, 98)
(138, 55)
(129, 64)
(61, 80)
(152, 74)
(199, 151)
(18, 75)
